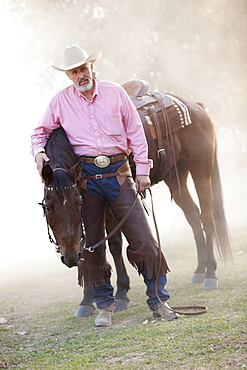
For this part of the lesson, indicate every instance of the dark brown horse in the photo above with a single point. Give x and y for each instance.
(62, 209)
(61, 203)
(191, 149)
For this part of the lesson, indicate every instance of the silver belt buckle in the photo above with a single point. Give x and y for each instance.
(102, 161)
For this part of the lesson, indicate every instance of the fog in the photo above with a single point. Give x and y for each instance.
(193, 48)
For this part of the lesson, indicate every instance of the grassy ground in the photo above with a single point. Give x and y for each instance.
(38, 330)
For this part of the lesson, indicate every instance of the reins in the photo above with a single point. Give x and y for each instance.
(177, 309)
(203, 309)
(112, 232)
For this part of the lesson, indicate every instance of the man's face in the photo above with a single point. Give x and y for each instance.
(82, 77)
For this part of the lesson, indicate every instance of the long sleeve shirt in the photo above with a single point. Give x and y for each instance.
(108, 124)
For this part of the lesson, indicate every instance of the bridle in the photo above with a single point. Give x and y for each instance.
(51, 237)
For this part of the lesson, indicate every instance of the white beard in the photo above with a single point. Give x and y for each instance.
(86, 87)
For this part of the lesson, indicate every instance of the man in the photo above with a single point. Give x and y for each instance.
(103, 127)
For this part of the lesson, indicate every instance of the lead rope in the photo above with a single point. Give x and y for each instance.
(203, 309)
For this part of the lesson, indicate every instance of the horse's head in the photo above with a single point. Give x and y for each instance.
(62, 207)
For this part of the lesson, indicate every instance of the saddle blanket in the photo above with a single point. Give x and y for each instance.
(178, 115)
(182, 111)
(143, 98)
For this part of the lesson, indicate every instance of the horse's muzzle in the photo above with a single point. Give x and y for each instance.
(71, 262)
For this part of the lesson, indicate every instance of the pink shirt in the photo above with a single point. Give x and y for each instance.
(106, 125)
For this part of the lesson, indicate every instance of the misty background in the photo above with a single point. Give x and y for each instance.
(196, 49)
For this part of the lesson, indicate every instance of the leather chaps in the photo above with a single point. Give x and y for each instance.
(142, 252)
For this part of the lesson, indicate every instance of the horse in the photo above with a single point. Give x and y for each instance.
(62, 201)
(190, 149)
(62, 209)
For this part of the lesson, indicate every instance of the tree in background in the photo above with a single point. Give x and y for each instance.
(195, 49)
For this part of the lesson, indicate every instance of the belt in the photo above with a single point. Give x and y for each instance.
(99, 176)
(103, 160)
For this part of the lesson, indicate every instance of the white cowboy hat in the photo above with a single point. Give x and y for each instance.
(74, 57)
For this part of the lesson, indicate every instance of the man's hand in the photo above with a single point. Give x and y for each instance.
(40, 159)
(142, 182)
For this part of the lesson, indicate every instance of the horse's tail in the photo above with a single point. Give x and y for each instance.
(222, 235)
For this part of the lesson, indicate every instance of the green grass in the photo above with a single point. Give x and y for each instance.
(41, 332)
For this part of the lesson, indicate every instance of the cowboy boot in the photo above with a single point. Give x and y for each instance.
(105, 315)
(163, 311)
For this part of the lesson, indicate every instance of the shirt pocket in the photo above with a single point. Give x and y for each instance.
(113, 124)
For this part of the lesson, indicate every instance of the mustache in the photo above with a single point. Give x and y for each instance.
(84, 79)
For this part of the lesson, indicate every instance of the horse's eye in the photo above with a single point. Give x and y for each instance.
(48, 209)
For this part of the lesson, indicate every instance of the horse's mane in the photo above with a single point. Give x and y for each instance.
(59, 150)
(61, 155)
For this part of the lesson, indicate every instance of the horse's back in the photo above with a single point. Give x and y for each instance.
(198, 137)
(199, 115)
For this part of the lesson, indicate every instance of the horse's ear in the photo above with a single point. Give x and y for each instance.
(75, 172)
(47, 173)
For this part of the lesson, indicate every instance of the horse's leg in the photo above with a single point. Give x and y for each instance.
(86, 307)
(202, 178)
(115, 246)
(184, 200)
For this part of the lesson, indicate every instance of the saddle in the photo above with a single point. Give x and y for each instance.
(149, 104)
(136, 88)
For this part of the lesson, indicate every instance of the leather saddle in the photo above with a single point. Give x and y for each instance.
(140, 94)
(136, 88)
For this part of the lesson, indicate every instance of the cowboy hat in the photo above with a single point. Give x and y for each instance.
(74, 57)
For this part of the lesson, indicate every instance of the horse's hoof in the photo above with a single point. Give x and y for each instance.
(121, 304)
(197, 278)
(85, 311)
(210, 284)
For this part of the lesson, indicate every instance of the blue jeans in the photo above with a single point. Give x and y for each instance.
(163, 294)
(103, 294)
(107, 187)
